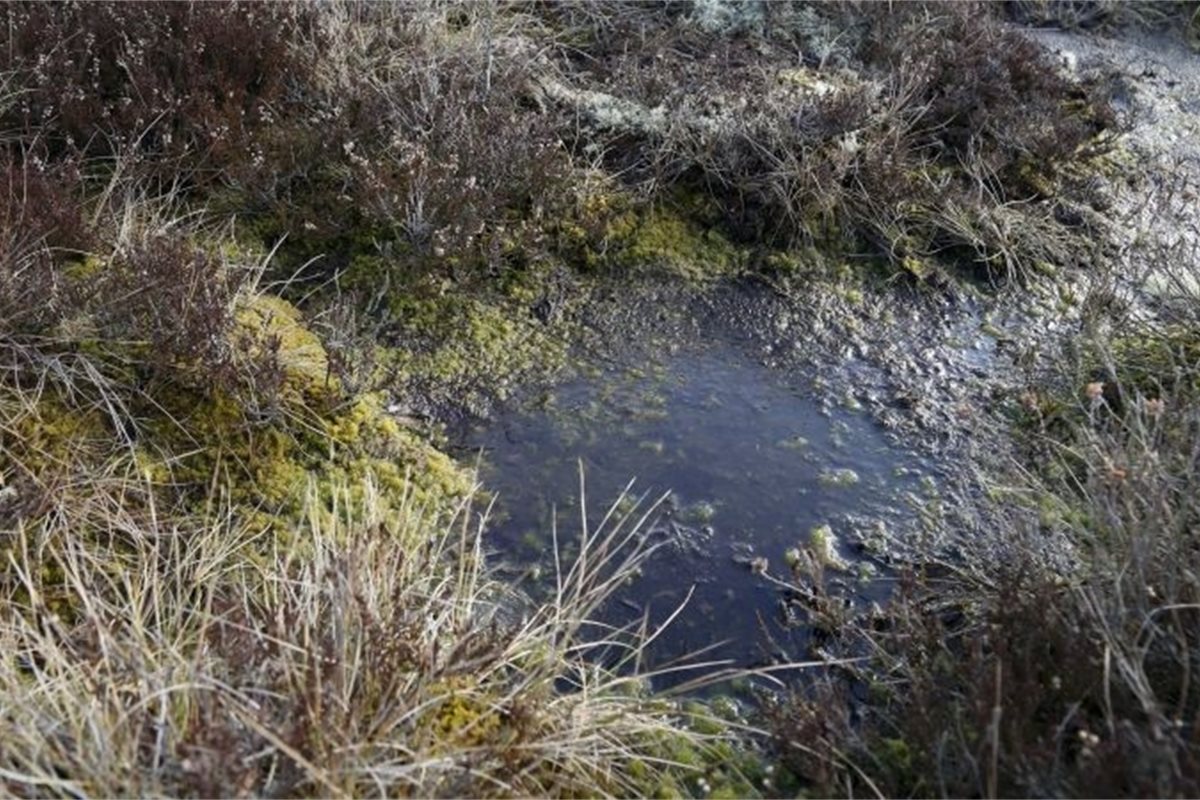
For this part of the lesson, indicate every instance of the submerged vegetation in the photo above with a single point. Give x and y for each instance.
(251, 254)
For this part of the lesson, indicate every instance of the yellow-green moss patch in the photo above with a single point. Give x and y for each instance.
(675, 244)
(473, 346)
(271, 327)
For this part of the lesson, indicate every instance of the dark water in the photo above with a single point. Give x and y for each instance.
(753, 462)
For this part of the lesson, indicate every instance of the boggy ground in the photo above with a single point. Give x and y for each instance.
(253, 256)
(991, 380)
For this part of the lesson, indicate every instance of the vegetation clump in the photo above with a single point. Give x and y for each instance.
(1061, 663)
(947, 152)
(160, 651)
(251, 254)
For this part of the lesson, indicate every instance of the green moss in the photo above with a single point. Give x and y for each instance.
(269, 468)
(919, 268)
(1115, 161)
(823, 544)
(611, 231)
(896, 757)
(786, 263)
(726, 708)
(270, 327)
(85, 269)
(265, 452)
(468, 349)
(50, 436)
(839, 477)
(667, 788)
(702, 719)
(699, 512)
(851, 294)
(461, 715)
(45, 447)
(1163, 362)
(1034, 177)
(821, 265)
(677, 245)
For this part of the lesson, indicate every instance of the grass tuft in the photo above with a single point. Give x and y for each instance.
(157, 653)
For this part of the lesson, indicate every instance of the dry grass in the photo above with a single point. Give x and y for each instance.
(1110, 15)
(928, 134)
(1065, 662)
(399, 142)
(151, 652)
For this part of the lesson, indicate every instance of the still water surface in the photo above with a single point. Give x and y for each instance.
(753, 462)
